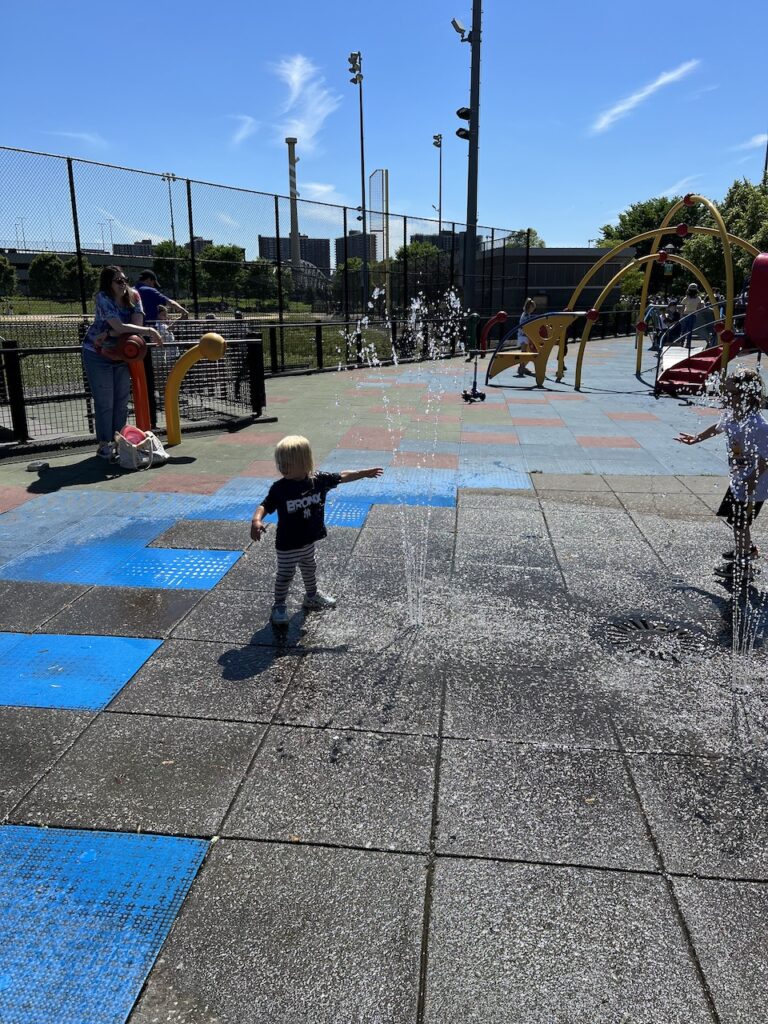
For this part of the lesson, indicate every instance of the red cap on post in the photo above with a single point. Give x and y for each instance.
(688, 199)
(727, 337)
(592, 315)
(641, 326)
(682, 230)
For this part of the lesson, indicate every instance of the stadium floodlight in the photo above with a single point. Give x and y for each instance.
(458, 27)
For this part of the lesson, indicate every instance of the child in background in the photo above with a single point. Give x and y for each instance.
(299, 500)
(747, 436)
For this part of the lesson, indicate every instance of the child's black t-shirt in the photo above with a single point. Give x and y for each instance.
(300, 507)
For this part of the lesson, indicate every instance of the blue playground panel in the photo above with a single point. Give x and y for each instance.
(355, 458)
(80, 673)
(170, 569)
(84, 915)
(481, 477)
(225, 507)
(346, 512)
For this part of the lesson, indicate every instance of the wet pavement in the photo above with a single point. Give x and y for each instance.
(512, 777)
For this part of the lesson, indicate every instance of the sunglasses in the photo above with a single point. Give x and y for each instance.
(119, 280)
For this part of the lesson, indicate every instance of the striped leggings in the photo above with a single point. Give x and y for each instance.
(287, 561)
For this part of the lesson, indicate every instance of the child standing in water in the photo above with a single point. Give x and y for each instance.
(299, 500)
(747, 437)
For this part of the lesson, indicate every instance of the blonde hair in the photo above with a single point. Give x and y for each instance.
(529, 304)
(293, 456)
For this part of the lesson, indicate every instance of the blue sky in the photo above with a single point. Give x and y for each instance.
(584, 109)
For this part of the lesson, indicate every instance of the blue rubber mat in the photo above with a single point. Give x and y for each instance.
(81, 673)
(225, 507)
(84, 915)
(346, 512)
(169, 569)
(241, 488)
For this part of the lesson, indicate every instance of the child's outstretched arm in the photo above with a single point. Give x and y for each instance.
(257, 526)
(348, 475)
(695, 438)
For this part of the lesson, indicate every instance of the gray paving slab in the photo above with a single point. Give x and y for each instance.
(27, 606)
(498, 697)
(518, 802)
(648, 484)
(208, 535)
(598, 537)
(135, 772)
(338, 787)
(31, 741)
(728, 922)
(241, 617)
(408, 517)
(486, 584)
(670, 506)
(390, 689)
(292, 933)
(520, 944)
(708, 814)
(125, 611)
(202, 679)
(593, 498)
(709, 485)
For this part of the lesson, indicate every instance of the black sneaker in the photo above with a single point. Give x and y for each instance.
(754, 553)
(738, 570)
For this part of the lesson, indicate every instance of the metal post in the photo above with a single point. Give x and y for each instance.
(405, 264)
(295, 241)
(503, 271)
(472, 165)
(254, 354)
(279, 284)
(346, 272)
(273, 350)
(168, 178)
(356, 68)
(527, 262)
(453, 255)
(319, 344)
(76, 226)
(192, 253)
(490, 283)
(15, 384)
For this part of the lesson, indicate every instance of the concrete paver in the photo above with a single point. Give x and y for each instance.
(530, 805)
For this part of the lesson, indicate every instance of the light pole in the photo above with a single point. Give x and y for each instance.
(356, 70)
(111, 240)
(101, 228)
(168, 178)
(437, 141)
(471, 114)
(20, 220)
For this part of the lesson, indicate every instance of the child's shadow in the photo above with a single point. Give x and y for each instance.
(268, 645)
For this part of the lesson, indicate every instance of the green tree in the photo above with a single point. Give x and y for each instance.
(517, 239)
(352, 270)
(46, 276)
(223, 266)
(428, 268)
(7, 277)
(175, 274)
(70, 281)
(745, 212)
(260, 281)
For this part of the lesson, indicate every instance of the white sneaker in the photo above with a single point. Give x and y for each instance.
(319, 601)
(279, 616)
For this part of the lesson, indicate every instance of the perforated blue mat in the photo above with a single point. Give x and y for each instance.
(81, 673)
(82, 917)
(344, 512)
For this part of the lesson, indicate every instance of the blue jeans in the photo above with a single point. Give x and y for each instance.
(110, 385)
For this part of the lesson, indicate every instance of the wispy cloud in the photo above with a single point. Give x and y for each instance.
(224, 218)
(613, 114)
(679, 187)
(321, 192)
(247, 125)
(89, 138)
(309, 102)
(698, 93)
(123, 230)
(756, 142)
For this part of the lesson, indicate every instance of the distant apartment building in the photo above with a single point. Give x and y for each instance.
(355, 247)
(316, 251)
(142, 248)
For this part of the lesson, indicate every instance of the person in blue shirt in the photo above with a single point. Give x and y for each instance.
(148, 288)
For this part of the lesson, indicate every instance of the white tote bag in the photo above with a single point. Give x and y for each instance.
(139, 449)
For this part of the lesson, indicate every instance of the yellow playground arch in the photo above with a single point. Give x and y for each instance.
(559, 321)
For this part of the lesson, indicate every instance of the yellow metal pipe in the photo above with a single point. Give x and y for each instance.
(211, 346)
(650, 259)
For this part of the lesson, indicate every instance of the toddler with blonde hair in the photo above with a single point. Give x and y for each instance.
(298, 497)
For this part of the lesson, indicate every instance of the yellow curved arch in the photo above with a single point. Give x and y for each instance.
(649, 259)
(211, 346)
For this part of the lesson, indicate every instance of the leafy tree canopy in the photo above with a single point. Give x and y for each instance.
(7, 277)
(46, 276)
(518, 239)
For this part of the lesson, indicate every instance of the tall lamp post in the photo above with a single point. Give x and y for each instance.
(356, 70)
(471, 114)
(437, 141)
(168, 177)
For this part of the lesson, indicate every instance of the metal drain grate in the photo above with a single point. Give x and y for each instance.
(658, 639)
